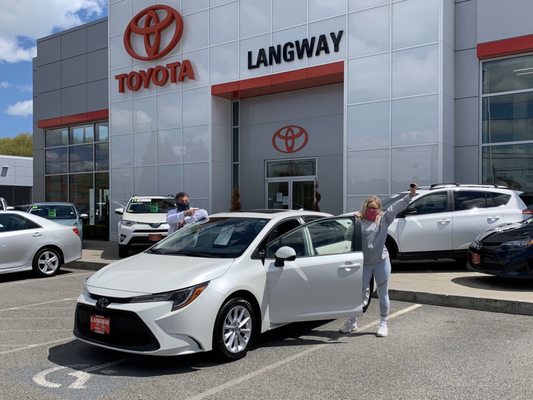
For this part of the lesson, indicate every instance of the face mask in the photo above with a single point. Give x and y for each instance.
(182, 206)
(371, 214)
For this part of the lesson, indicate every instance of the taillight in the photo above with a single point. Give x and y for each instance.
(527, 211)
(76, 231)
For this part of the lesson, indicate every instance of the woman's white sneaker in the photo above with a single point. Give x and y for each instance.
(383, 330)
(349, 326)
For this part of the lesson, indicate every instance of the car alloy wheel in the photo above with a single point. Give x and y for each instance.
(47, 262)
(234, 329)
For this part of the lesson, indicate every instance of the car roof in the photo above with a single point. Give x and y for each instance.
(40, 220)
(52, 203)
(270, 214)
(152, 197)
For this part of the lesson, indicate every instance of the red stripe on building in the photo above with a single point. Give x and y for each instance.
(73, 119)
(281, 82)
(505, 47)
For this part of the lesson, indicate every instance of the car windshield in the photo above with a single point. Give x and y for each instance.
(387, 202)
(150, 206)
(53, 212)
(217, 237)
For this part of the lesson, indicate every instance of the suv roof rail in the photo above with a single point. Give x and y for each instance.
(441, 185)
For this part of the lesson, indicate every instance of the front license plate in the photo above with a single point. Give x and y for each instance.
(100, 324)
(155, 237)
(475, 258)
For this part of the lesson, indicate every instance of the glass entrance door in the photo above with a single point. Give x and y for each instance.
(291, 194)
(278, 195)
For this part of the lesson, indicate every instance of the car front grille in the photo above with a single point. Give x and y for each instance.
(127, 330)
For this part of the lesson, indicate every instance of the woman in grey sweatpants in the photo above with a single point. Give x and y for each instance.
(374, 226)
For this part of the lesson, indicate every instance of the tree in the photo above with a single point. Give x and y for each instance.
(20, 145)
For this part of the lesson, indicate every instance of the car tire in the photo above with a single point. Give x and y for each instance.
(47, 262)
(123, 251)
(234, 329)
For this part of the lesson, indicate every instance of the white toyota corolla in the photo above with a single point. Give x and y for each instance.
(217, 285)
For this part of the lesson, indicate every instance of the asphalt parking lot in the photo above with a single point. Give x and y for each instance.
(431, 352)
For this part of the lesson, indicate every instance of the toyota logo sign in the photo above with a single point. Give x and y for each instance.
(150, 26)
(290, 139)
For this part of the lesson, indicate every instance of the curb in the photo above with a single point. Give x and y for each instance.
(470, 303)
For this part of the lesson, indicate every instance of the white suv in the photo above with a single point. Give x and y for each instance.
(143, 222)
(442, 220)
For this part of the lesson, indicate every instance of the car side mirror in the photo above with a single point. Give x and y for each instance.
(119, 211)
(84, 216)
(283, 254)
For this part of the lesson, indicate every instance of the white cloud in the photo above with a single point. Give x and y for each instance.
(33, 19)
(4, 85)
(21, 108)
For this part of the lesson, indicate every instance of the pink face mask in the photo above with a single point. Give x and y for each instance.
(371, 214)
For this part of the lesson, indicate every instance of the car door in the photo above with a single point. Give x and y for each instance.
(325, 279)
(474, 212)
(426, 225)
(19, 240)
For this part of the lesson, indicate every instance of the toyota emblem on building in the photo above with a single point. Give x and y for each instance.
(290, 139)
(102, 303)
(149, 25)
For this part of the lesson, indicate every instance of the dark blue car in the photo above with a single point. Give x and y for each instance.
(506, 251)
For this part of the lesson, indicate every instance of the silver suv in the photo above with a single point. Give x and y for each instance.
(442, 220)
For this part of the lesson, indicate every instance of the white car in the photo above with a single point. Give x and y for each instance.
(143, 222)
(442, 220)
(30, 242)
(216, 285)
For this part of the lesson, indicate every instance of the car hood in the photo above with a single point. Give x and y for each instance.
(154, 273)
(146, 218)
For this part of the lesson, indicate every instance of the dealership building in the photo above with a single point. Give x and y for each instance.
(288, 101)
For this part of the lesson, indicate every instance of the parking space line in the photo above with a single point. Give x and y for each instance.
(32, 318)
(287, 360)
(37, 304)
(35, 330)
(31, 346)
(38, 279)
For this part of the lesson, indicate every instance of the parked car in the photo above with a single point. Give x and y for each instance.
(143, 222)
(62, 213)
(505, 250)
(443, 220)
(28, 242)
(216, 285)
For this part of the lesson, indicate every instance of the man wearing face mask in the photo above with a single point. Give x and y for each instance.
(183, 214)
(374, 226)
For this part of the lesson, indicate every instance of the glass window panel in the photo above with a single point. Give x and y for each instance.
(510, 74)
(169, 110)
(81, 134)
(79, 191)
(102, 131)
(144, 114)
(288, 13)
(415, 71)
(510, 165)
(101, 156)
(56, 160)
(235, 175)
(507, 118)
(368, 172)
(144, 148)
(81, 158)
(235, 106)
(369, 31)
(235, 140)
(415, 120)
(101, 202)
(169, 148)
(319, 9)
(465, 200)
(56, 188)
(355, 5)
(413, 164)
(415, 22)
(56, 137)
(369, 79)
(254, 17)
(368, 125)
(196, 143)
(291, 168)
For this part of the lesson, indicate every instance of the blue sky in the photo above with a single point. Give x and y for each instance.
(22, 22)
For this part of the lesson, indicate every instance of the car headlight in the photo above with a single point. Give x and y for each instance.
(518, 243)
(125, 222)
(179, 298)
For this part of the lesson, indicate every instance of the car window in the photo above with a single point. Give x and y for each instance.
(53, 212)
(327, 236)
(311, 218)
(429, 204)
(467, 200)
(150, 206)
(282, 228)
(500, 199)
(15, 222)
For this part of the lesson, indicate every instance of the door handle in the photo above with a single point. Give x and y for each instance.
(348, 266)
(444, 221)
(492, 219)
(37, 234)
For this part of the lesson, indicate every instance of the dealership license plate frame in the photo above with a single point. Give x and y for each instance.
(155, 237)
(100, 324)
